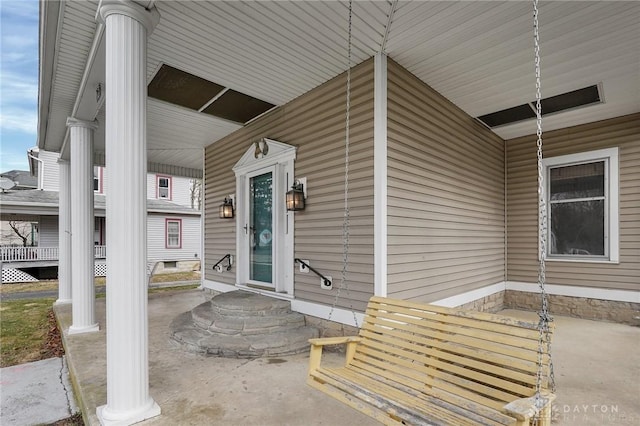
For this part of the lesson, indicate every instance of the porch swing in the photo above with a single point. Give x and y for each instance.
(415, 363)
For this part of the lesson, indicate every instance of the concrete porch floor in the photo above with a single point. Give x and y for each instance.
(597, 368)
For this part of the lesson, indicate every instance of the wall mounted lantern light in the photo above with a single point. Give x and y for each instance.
(226, 208)
(295, 197)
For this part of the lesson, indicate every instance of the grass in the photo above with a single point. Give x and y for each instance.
(23, 330)
(52, 285)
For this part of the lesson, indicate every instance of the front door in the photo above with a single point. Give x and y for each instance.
(260, 228)
(264, 228)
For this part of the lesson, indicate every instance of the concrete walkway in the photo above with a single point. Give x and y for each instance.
(597, 373)
(36, 393)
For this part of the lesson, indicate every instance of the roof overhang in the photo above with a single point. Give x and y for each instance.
(479, 55)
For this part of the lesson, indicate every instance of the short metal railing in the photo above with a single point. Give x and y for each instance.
(325, 280)
(219, 264)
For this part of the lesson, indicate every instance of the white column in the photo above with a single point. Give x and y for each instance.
(64, 234)
(82, 225)
(127, 26)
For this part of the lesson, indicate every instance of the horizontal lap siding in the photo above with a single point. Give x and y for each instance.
(315, 123)
(522, 229)
(445, 195)
(156, 238)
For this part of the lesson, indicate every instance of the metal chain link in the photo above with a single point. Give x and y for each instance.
(544, 338)
(346, 217)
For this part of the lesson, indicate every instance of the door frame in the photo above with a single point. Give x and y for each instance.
(279, 158)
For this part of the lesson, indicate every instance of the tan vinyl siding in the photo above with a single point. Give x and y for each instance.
(621, 132)
(315, 123)
(445, 195)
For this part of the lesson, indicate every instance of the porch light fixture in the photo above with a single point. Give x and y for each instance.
(295, 197)
(226, 208)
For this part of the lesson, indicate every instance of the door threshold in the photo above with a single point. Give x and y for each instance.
(260, 287)
(264, 290)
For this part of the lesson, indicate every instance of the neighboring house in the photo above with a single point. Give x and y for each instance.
(173, 242)
(442, 181)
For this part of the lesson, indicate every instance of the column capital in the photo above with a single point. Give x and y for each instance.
(74, 122)
(147, 17)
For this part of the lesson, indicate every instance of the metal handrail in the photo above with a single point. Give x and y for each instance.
(326, 281)
(226, 256)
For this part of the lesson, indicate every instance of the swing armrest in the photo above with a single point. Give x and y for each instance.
(524, 409)
(315, 354)
(339, 340)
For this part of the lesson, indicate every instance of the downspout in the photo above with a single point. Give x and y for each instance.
(40, 170)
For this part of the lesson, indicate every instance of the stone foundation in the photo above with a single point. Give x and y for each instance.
(578, 307)
(492, 303)
(180, 266)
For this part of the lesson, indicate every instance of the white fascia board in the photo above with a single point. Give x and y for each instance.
(51, 16)
(174, 212)
(576, 291)
(342, 316)
(218, 286)
(470, 296)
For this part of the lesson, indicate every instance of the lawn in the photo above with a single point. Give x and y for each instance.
(24, 325)
(28, 328)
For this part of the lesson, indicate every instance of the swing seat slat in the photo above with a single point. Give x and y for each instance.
(415, 363)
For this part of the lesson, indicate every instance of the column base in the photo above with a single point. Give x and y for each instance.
(62, 302)
(108, 417)
(86, 329)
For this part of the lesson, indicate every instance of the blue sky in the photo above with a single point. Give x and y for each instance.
(18, 82)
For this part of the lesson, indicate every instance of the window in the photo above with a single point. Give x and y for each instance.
(582, 196)
(173, 233)
(97, 179)
(164, 187)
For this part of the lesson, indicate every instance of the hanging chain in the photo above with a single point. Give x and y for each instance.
(346, 218)
(544, 339)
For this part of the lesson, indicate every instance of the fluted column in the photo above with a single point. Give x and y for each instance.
(64, 234)
(82, 225)
(127, 26)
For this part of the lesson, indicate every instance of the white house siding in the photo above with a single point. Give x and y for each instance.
(445, 195)
(314, 123)
(48, 231)
(180, 189)
(522, 231)
(156, 234)
(51, 172)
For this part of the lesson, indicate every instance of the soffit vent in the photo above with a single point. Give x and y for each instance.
(554, 104)
(187, 90)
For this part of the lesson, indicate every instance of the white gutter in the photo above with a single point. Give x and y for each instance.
(40, 170)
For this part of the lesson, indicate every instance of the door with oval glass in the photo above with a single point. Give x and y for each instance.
(260, 227)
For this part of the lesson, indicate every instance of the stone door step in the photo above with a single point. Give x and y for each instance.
(241, 324)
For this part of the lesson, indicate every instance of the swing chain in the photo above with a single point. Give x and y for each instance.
(346, 218)
(545, 318)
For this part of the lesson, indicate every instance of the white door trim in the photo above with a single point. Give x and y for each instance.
(279, 158)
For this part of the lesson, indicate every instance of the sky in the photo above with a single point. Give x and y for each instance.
(18, 82)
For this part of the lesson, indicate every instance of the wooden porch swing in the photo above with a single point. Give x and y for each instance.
(421, 364)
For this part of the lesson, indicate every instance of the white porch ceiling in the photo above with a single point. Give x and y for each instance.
(477, 54)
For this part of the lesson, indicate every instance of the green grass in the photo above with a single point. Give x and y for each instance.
(23, 330)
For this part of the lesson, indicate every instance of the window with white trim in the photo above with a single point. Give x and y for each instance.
(173, 229)
(582, 196)
(97, 179)
(164, 187)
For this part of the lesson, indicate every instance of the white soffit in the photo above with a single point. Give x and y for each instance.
(477, 54)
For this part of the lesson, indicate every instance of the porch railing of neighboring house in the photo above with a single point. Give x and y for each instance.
(26, 254)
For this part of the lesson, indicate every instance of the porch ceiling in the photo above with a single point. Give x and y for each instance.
(477, 54)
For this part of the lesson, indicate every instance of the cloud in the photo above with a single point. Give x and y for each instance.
(21, 119)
